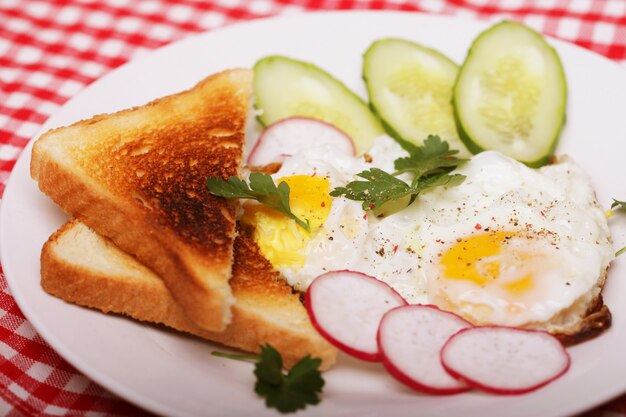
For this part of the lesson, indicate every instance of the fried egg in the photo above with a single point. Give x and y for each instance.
(342, 235)
(511, 245)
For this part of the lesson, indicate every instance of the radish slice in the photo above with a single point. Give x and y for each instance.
(289, 136)
(410, 339)
(504, 360)
(346, 308)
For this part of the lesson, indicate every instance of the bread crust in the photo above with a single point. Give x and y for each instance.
(138, 177)
(266, 311)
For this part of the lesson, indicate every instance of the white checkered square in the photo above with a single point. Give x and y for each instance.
(80, 41)
(9, 75)
(69, 15)
(128, 24)
(111, 47)
(54, 410)
(26, 330)
(210, 20)
(180, 13)
(568, 28)
(5, 45)
(28, 55)
(27, 129)
(535, 21)
(9, 152)
(39, 371)
(18, 391)
(77, 383)
(603, 33)
(92, 69)
(50, 35)
(579, 6)
(18, 25)
(38, 9)
(47, 107)
(511, 4)
(148, 7)
(69, 88)
(435, 6)
(17, 100)
(615, 8)
(261, 7)
(40, 79)
(99, 19)
(5, 407)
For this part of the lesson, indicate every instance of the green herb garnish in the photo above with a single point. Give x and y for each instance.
(261, 189)
(430, 164)
(287, 392)
(618, 205)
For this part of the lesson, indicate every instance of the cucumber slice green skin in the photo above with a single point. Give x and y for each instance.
(281, 84)
(396, 113)
(543, 154)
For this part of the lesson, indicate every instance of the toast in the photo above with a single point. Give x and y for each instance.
(82, 267)
(138, 177)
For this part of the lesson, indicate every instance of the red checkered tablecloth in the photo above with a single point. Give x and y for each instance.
(51, 49)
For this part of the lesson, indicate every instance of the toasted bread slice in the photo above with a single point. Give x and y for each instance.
(81, 267)
(138, 177)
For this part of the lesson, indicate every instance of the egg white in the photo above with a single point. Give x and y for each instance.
(559, 238)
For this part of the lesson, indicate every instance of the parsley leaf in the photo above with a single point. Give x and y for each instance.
(619, 252)
(433, 157)
(618, 204)
(262, 189)
(287, 392)
(430, 164)
(381, 187)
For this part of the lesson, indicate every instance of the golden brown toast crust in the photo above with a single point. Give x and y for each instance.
(138, 177)
(266, 311)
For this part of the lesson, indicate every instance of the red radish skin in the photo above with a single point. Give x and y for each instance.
(420, 379)
(346, 307)
(288, 136)
(501, 388)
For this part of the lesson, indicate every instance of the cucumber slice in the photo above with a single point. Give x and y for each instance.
(510, 94)
(285, 87)
(410, 89)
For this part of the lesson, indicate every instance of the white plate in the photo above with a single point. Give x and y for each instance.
(175, 375)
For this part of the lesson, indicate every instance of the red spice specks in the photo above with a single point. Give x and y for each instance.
(478, 226)
(372, 206)
(542, 213)
(365, 216)
(395, 248)
(323, 204)
(438, 240)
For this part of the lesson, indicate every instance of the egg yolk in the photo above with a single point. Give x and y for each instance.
(485, 259)
(280, 239)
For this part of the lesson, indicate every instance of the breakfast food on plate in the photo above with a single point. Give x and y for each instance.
(410, 340)
(346, 307)
(137, 177)
(82, 267)
(504, 360)
(503, 247)
(410, 88)
(510, 94)
(400, 250)
(286, 87)
(295, 134)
